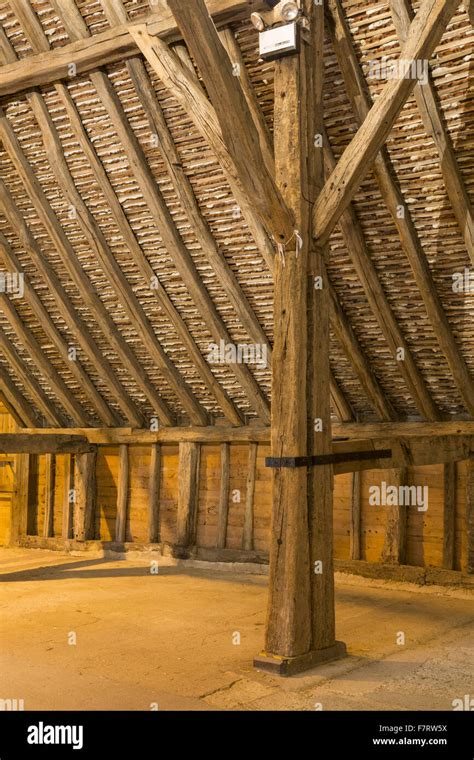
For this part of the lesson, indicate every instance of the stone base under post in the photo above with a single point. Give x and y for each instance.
(290, 666)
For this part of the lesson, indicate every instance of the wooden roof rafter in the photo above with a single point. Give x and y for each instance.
(19, 407)
(427, 102)
(75, 26)
(41, 401)
(11, 262)
(178, 75)
(357, 91)
(99, 245)
(116, 14)
(28, 341)
(65, 306)
(378, 301)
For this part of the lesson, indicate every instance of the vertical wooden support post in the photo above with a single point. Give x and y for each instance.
(85, 496)
(68, 497)
(50, 477)
(122, 495)
(154, 495)
(470, 515)
(223, 513)
(188, 487)
(356, 499)
(20, 499)
(247, 538)
(449, 515)
(33, 495)
(300, 628)
(394, 549)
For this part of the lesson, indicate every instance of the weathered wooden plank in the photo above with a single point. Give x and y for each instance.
(355, 528)
(247, 535)
(154, 495)
(301, 594)
(449, 516)
(36, 443)
(188, 475)
(68, 497)
(470, 514)
(181, 80)
(233, 114)
(19, 502)
(394, 548)
(402, 429)
(423, 37)
(223, 510)
(50, 477)
(122, 495)
(85, 496)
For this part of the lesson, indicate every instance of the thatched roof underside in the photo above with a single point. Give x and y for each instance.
(415, 162)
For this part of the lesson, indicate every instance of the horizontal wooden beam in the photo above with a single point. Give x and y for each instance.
(144, 436)
(109, 47)
(257, 433)
(402, 429)
(24, 443)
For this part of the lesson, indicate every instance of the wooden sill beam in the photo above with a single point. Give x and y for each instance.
(433, 120)
(357, 90)
(424, 35)
(109, 47)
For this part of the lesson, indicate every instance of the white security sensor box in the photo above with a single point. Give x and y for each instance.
(282, 40)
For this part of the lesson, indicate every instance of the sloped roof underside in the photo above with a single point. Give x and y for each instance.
(415, 162)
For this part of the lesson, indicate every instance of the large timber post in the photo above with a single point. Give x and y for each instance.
(301, 619)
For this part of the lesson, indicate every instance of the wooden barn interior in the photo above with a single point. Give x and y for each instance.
(237, 298)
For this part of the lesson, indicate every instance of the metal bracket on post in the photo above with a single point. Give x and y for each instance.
(325, 459)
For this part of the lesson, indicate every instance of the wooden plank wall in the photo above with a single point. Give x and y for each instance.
(7, 425)
(424, 530)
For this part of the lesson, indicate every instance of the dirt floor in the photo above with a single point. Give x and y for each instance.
(89, 633)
